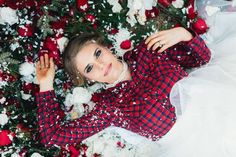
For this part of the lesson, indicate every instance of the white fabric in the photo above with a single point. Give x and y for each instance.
(206, 99)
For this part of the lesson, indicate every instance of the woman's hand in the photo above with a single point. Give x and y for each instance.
(167, 38)
(45, 72)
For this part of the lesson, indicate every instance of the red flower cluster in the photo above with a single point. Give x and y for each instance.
(4, 137)
(26, 31)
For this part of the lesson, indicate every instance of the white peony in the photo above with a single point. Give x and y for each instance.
(3, 119)
(26, 68)
(36, 155)
(62, 42)
(81, 95)
(8, 15)
(178, 3)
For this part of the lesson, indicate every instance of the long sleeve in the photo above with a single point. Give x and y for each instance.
(190, 54)
(53, 130)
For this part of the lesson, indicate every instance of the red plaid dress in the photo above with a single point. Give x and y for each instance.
(141, 105)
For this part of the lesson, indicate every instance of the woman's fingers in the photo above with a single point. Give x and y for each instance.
(42, 64)
(46, 60)
(51, 63)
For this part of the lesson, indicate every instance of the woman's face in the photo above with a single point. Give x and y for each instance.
(97, 63)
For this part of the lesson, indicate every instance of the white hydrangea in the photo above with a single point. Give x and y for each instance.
(178, 3)
(137, 8)
(81, 95)
(116, 7)
(3, 119)
(78, 97)
(62, 42)
(27, 68)
(8, 15)
(36, 155)
(122, 35)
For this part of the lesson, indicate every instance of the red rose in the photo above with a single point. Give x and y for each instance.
(25, 31)
(51, 44)
(125, 44)
(2, 2)
(165, 3)
(200, 26)
(154, 12)
(82, 5)
(90, 18)
(4, 138)
(191, 12)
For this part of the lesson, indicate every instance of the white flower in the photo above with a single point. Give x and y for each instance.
(117, 39)
(3, 119)
(26, 68)
(81, 95)
(116, 5)
(62, 42)
(211, 10)
(2, 100)
(8, 15)
(178, 3)
(25, 96)
(36, 155)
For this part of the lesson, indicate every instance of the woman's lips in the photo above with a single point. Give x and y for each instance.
(108, 69)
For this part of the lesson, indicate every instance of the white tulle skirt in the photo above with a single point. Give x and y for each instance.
(206, 100)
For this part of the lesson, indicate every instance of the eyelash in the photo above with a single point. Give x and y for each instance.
(89, 68)
(97, 54)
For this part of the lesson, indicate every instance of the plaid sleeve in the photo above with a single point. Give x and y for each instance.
(193, 53)
(52, 128)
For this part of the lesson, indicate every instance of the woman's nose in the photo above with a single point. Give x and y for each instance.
(100, 65)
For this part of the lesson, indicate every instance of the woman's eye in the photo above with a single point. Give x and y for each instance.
(98, 53)
(89, 68)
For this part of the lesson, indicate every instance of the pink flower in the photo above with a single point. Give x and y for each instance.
(125, 44)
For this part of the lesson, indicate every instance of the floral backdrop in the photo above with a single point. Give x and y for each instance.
(30, 28)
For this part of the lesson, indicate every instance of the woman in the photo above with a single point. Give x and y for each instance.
(138, 88)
